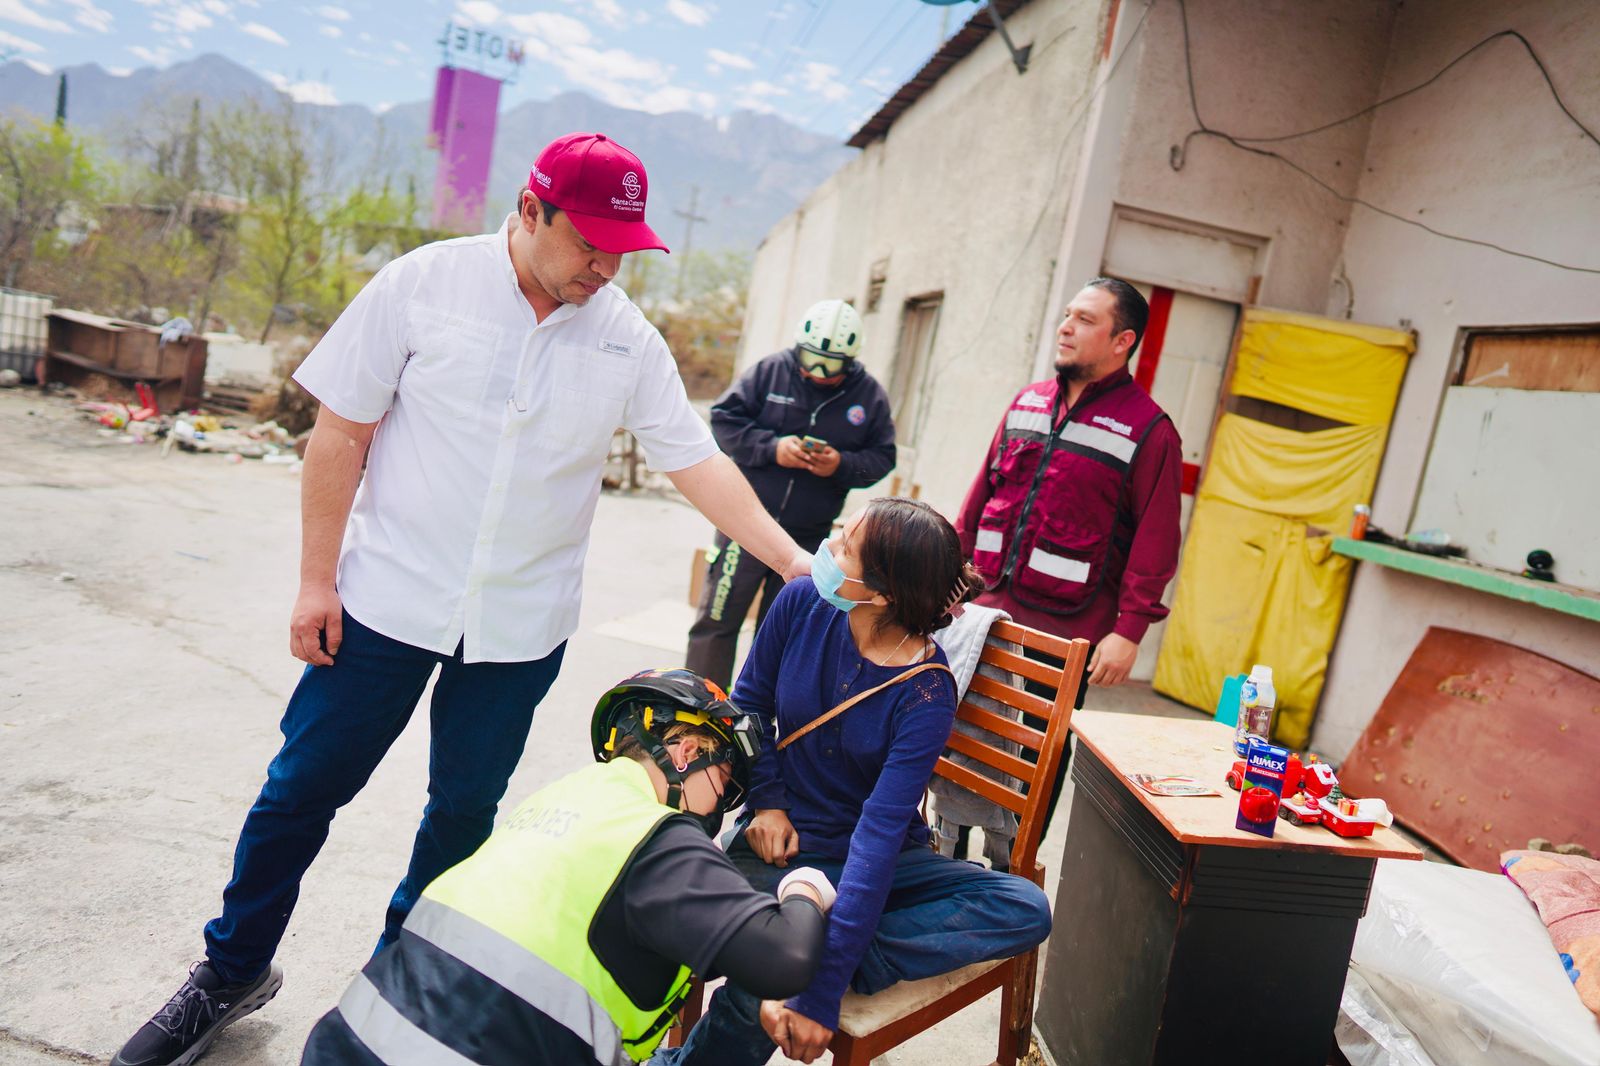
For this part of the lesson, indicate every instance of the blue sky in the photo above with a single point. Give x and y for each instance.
(824, 64)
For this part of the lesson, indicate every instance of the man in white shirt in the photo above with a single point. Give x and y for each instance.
(481, 379)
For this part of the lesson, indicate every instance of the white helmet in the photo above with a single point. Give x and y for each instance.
(828, 338)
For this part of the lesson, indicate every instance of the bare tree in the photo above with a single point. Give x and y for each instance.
(272, 159)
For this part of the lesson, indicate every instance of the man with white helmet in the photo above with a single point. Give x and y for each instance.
(806, 425)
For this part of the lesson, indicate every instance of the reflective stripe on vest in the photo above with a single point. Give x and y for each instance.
(389, 1034)
(517, 914)
(519, 971)
(1027, 422)
(1101, 440)
(544, 875)
(1074, 570)
(1047, 529)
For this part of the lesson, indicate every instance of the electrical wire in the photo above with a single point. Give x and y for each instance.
(868, 65)
(1247, 144)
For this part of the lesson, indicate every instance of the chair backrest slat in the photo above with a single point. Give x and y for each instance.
(1000, 725)
(1032, 669)
(1035, 639)
(972, 781)
(992, 756)
(1001, 692)
(999, 729)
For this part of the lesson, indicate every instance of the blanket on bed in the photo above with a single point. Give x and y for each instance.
(1566, 891)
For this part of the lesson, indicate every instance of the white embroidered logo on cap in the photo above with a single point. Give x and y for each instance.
(631, 186)
(541, 177)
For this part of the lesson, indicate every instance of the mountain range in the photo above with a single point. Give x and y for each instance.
(751, 169)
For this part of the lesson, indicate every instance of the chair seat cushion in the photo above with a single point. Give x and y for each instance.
(860, 1015)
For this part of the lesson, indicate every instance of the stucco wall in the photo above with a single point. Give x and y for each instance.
(1261, 68)
(1485, 152)
(965, 196)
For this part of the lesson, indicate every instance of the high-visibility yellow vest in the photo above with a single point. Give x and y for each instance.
(519, 912)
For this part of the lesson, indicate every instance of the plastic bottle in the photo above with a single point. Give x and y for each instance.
(1257, 702)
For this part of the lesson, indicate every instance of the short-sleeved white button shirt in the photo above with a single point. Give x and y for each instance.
(472, 521)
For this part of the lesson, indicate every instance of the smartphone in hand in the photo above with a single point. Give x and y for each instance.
(813, 444)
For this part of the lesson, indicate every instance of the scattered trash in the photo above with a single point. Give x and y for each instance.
(9, 379)
(192, 555)
(65, 576)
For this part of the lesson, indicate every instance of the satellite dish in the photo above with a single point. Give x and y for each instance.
(1019, 56)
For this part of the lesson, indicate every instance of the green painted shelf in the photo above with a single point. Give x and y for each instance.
(1563, 598)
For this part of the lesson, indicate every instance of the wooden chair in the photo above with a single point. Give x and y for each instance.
(871, 1025)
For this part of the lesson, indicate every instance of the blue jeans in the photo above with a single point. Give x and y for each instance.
(941, 914)
(340, 722)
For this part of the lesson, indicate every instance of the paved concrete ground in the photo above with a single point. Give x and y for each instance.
(144, 667)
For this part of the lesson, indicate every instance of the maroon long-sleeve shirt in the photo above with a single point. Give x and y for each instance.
(1147, 519)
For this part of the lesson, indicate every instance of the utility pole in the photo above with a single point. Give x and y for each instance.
(690, 218)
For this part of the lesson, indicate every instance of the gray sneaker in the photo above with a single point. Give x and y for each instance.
(182, 1030)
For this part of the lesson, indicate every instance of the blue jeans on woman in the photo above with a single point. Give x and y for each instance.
(340, 722)
(941, 914)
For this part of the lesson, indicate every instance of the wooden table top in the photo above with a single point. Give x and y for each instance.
(1203, 750)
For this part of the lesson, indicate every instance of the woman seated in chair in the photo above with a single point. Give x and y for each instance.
(844, 796)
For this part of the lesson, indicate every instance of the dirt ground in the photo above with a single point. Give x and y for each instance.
(143, 606)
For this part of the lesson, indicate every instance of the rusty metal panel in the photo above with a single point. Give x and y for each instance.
(1481, 745)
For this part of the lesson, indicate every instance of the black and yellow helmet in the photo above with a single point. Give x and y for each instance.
(647, 704)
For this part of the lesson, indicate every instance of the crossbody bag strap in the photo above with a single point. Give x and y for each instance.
(857, 698)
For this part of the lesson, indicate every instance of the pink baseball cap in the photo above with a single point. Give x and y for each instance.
(602, 188)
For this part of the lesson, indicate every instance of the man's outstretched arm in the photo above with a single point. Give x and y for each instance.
(720, 492)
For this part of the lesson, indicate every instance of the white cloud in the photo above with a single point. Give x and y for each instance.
(19, 11)
(599, 67)
(11, 40)
(759, 89)
(179, 17)
(823, 80)
(333, 14)
(330, 30)
(216, 7)
(692, 14)
(265, 33)
(401, 47)
(720, 59)
(481, 12)
(158, 57)
(382, 106)
(562, 31)
(90, 16)
(119, 72)
(312, 92)
(610, 12)
(675, 98)
(38, 67)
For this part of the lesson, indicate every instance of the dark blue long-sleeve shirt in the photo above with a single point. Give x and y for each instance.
(852, 787)
(774, 399)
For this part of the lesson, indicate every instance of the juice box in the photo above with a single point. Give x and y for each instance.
(1265, 767)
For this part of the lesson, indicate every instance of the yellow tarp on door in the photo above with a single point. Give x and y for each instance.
(1257, 585)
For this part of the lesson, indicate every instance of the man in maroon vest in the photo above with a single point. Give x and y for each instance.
(1074, 517)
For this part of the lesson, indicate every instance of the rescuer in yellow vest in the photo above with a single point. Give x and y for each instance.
(572, 934)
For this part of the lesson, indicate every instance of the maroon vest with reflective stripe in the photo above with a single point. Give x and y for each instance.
(1051, 526)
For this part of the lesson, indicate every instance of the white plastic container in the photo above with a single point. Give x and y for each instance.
(1258, 701)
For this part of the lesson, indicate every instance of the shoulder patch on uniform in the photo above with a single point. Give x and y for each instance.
(1033, 399)
(1112, 423)
(856, 415)
(616, 347)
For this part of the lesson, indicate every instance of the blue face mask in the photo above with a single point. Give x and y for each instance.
(827, 577)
